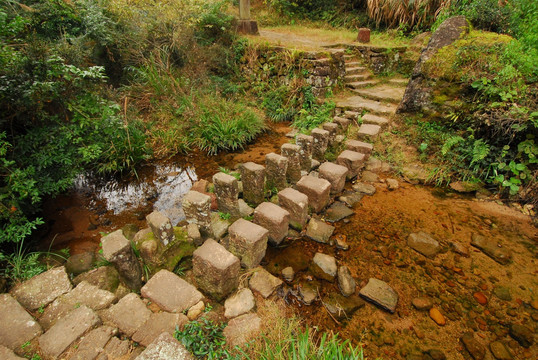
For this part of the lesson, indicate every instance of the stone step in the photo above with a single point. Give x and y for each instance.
(350, 64)
(361, 84)
(359, 146)
(358, 103)
(353, 115)
(368, 132)
(382, 92)
(375, 120)
(355, 70)
(398, 82)
(357, 77)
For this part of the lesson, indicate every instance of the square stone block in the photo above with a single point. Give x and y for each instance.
(368, 132)
(343, 124)
(253, 178)
(128, 315)
(170, 292)
(273, 218)
(321, 141)
(332, 128)
(305, 154)
(318, 192)
(161, 227)
(360, 147)
(335, 174)
(215, 269)
(292, 153)
(353, 160)
(248, 241)
(296, 203)
(17, 326)
(227, 192)
(276, 167)
(197, 209)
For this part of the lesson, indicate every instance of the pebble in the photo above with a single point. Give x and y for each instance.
(422, 303)
(477, 351)
(522, 334)
(534, 304)
(436, 316)
(480, 298)
(419, 333)
(499, 351)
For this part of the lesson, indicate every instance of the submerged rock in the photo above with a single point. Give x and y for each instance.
(324, 266)
(342, 307)
(346, 283)
(381, 294)
(423, 243)
(491, 249)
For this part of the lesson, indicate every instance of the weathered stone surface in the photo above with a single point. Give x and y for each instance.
(335, 174)
(197, 208)
(477, 351)
(161, 227)
(381, 294)
(337, 211)
(422, 303)
(317, 190)
(319, 231)
(83, 294)
(129, 314)
(369, 177)
(80, 263)
(215, 269)
(522, 334)
(351, 198)
(296, 203)
(343, 124)
(392, 184)
(502, 293)
(364, 188)
(306, 143)
(244, 209)
(364, 35)
(491, 249)
(170, 292)
(359, 103)
(324, 266)
(288, 274)
(165, 347)
(253, 178)
(227, 191)
(321, 141)
(8, 354)
(346, 283)
(248, 241)
(342, 308)
(242, 329)
(374, 119)
(93, 343)
(368, 132)
(156, 325)
(360, 147)
(219, 226)
(240, 303)
(293, 153)
(273, 218)
(332, 128)
(104, 277)
(16, 326)
(352, 160)
(276, 168)
(263, 282)
(116, 349)
(193, 233)
(196, 311)
(499, 351)
(424, 243)
(308, 291)
(118, 251)
(66, 331)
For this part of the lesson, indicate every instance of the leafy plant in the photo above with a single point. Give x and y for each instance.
(204, 339)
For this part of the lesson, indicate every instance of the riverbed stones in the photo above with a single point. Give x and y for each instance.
(197, 208)
(93, 343)
(306, 143)
(215, 269)
(170, 292)
(324, 266)
(80, 263)
(17, 326)
(129, 314)
(248, 241)
(502, 292)
(332, 128)
(276, 168)
(490, 247)
(319, 231)
(292, 153)
(227, 192)
(161, 227)
(273, 218)
(337, 211)
(424, 243)
(318, 192)
(381, 294)
(157, 324)
(308, 292)
(499, 351)
(364, 188)
(352, 160)
(522, 334)
(242, 329)
(335, 174)
(346, 283)
(351, 198)
(288, 274)
(66, 330)
(321, 141)
(342, 308)
(392, 184)
(437, 316)
(240, 303)
(477, 350)
(118, 251)
(422, 303)
(296, 203)
(263, 282)
(42, 289)
(165, 347)
(253, 178)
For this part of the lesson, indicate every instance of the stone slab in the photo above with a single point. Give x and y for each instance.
(319, 231)
(335, 174)
(360, 146)
(337, 211)
(383, 92)
(424, 243)
(242, 329)
(8, 354)
(381, 294)
(264, 283)
(375, 120)
(157, 324)
(161, 227)
(16, 325)
(240, 303)
(296, 203)
(359, 103)
(93, 344)
(490, 248)
(170, 292)
(353, 160)
(129, 314)
(165, 347)
(368, 132)
(324, 266)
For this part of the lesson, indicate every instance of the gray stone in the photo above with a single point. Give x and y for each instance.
(156, 325)
(117, 250)
(491, 249)
(364, 188)
(197, 208)
(335, 174)
(359, 103)
(342, 308)
(292, 152)
(276, 167)
(263, 282)
(381, 294)
(308, 292)
(248, 241)
(288, 274)
(368, 132)
(374, 119)
(242, 329)
(460, 249)
(8, 354)
(161, 227)
(477, 350)
(368, 176)
(165, 347)
(215, 269)
(170, 292)
(352, 160)
(424, 243)
(227, 192)
(341, 242)
(66, 331)
(219, 226)
(337, 211)
(240, 303)
(317, 190)
(392, 184)
(244, 209)
(332, 128)
(84, 294)
(343, 124)
(128, 315)
(306, 143)
(346, 283)
(80, 263)
(17, 326)
(319, 146)
(522, 334)
(351, 198)
(319, 231)
(116, 349)
(253, 178)
(93, 343)
(296, 203)
(104, 277)
(499, 351)
(194, 235)
(273, 218)
(324, 266)
(196, 311)
(360, 147)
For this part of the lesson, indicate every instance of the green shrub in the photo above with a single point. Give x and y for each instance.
(204, 339)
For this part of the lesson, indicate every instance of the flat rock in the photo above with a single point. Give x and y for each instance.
(381, 294)
(383, 92)
(67, 330)
(170, 292)
(337, 211)
(8, 354)
(351, 198)
(319, 231)
(392, 184)
(165, 347)
(359, 103)
(324, 266)
(240, 303)
(116, 349)
(499, 351)
(422, 303)
(129, 314)
(502, 293)
(369, 177)
(263, 282)
(342, 307)
(346, 283)
(219, 227)
(195, 311)
(104, 277)
(477, 350)
(93, 343)
(16, 326)
(424, 243)
(375, 120)
(245, 209)
(308, 292)
(522, 334)
(79, 263)
(490, 248)
(242, 329)
(157, 324)
(364, 188)
(42, 289)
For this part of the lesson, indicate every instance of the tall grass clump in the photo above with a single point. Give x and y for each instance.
(408, 14)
